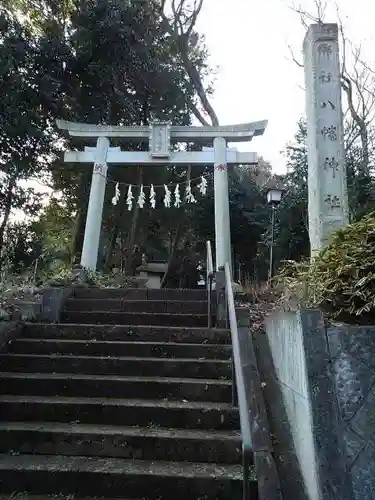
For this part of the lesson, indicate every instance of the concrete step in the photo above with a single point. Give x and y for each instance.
(109, 348)
(140, 294)
(128, 318)
(176, 294)
(29, 496)
(137, 306)
(130, 333)
(150, 443)
(119, 411)
(119, 477)
(110, 293)
(124, 366)
(66, 384)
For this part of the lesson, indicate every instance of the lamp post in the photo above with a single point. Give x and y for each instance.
(274, 195)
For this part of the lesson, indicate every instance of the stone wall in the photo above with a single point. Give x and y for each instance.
(352, 350)
(306, 384)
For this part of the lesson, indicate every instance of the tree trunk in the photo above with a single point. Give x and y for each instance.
(7, 210)
(172, 252)
(111, 247)
(133, 229)
(118, 218)
(80, 224)
(346, 83)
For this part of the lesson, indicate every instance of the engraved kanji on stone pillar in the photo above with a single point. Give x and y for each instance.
(327, 185)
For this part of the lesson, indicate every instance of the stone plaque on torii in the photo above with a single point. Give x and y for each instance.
(160, 136)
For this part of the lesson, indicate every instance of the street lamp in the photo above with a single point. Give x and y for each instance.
(274, 195)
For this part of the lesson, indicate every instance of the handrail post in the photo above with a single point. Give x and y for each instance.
(234, 385)
(209, 322)
(221, 310)
(245, 478)
(209, 279)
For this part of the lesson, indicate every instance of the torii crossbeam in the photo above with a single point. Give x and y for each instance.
(160, 136)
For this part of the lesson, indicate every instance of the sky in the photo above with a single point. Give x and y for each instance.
(257, 80)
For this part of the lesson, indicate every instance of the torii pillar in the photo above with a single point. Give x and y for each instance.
(223, 245)
(95, 208)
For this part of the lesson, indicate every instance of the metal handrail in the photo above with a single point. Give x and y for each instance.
(209, 280)
(240, 385)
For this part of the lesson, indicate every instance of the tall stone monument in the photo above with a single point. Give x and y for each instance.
(327, 186)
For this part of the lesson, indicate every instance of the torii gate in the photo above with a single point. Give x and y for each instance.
(160, 136)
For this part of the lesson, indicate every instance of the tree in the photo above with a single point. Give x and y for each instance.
(23, 248)
(104, 61)
(111, 62)
(25, 140)
(291, 229)
(181, 27)
(291, 233)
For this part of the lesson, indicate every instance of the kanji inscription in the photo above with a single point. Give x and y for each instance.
(324, 49)
(329, 133)
(332, 201)
(331, 163)
(325, 77)
(325, 104)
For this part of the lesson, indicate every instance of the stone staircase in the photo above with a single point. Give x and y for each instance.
(93, 407)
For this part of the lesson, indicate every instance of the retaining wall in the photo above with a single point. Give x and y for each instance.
(320, 384)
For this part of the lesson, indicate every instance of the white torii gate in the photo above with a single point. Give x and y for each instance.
(160, 136)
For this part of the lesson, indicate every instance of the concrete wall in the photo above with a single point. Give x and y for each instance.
(286, 344)
(306, 382)
(291, 480)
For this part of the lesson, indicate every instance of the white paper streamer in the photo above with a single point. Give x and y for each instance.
(203, 186)
(167, 197)
(152, 196)
(141, 198)
(177, 197)
(189, 197)
(129, 198)
(116, 198)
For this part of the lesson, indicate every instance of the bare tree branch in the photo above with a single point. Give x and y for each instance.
(198, 114)
(180, 28)
(305, 16)
(359, 115)
(294, 59)
(321, 8)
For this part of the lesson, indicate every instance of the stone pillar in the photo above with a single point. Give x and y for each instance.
(95, 209)
(222, 218)
(328, 199)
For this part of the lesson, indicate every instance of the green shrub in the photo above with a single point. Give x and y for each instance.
(63, 275)
(341, 279)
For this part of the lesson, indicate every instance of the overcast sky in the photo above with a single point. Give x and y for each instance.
(256, 79)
